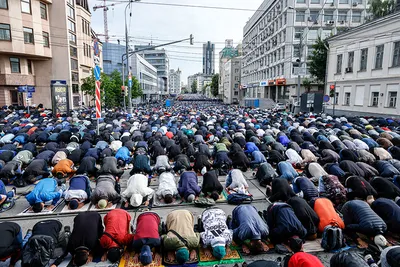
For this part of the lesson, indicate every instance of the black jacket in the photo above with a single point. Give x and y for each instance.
(385, 187)
(281, 190)
(211, 183)
(359, 188)
(389, 211)
(306, 215)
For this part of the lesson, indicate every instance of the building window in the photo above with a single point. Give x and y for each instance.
(300, 1)
(314, 16)
(396, 55)
(75, 76)
(71, 26)
(296, 51)
(300, 16)
(356, 16)
(392, 99)
(343, 1)
(3, 4)
(71, 2)
(298, 33)
(328, 15)
(46, 42)
(74, 64)
(72, 38)
(363, 59)
(43, 10)
(339, 64)
(15, 67)
(29, 63)
(347, 99)
(350, 61)
(28, 36)
(374, 99)
(73, 51)
(26, 6)
(342, 16)
(75, 88)
(336, 99)
(71, 12)
(315, 1)
(379, 57)
(5, 32)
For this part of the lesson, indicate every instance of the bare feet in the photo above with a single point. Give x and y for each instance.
(157, 257)
(228, 251)
(262, 246)
(193, 255)
(146, 203)
(170, 256)
(50, 207)
(245, 249)
(136, 258)
(207, 252)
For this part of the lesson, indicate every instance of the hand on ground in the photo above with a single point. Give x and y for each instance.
(192, 255)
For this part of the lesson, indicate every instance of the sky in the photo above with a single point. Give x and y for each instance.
(160, 24)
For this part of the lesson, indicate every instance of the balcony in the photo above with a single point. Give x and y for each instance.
(16, 79)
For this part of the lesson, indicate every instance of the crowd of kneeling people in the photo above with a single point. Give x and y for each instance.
(321, 174)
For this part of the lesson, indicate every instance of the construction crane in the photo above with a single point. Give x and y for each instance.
(105, 9)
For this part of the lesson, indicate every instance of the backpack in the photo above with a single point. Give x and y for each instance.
(38, 251)
(332, 238)
(334, 190)
(238, 198)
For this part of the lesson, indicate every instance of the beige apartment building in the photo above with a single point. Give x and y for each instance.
(42, 41)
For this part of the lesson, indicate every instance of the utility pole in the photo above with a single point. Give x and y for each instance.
(299, 76)
(127, 59)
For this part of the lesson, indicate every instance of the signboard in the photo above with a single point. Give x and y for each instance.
(326, 98)
(97, 71)
(271, 82)
(60, 98)
(22, 89)
(281, 81)
(30, 94)
(263, 83)
(96, 50)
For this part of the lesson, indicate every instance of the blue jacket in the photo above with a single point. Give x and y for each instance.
(44, 191)
(93, 152)
(304, 184)
(389, 211)
(250, 147)
(188, 184)
(370, 142)
(247, 224)
(287, 171)
(359, 217)
(258, 157)
(123, 154)
(284, 140)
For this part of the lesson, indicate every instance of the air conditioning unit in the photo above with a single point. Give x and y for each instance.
(342, 22)
(330, 22)
(349, 69)
(355, 3)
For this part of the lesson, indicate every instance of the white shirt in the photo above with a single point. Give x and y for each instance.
(136, 190)
(167, 185)
(293, 156)
(79, 194)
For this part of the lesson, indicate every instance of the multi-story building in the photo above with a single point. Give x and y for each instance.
(146, 74)
(208, 58)
(159, 59)
(200, 79)
(174, 81)
(112, 58)
(226, 54)
(191, 79)
(25, 50)
(231, 81)
(279, 38)
(364, 64)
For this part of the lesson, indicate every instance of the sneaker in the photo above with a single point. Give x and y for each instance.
(6, 205)
(63, 187)
(14, 190)
(29, 232)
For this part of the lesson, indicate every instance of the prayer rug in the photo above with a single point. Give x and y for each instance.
(127, 260)
(93, 208)
(174, 263)
(313, 246)
(29, 211)
(82, 209)
(160, 202)
(232, 258)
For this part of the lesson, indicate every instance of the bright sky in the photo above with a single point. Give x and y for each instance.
(161, 24)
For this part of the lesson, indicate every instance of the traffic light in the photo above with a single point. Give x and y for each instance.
(332, 90)
(191, 39)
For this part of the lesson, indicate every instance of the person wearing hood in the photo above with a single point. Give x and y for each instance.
(45, 190)
(188, 187)
(64, 169)
(116, 234)
(358, 187)
(147, 237)
(306, 215)
(280, 191)
(180, 242)
(216, 233)
(137, 191)
(87, 167)
(257, 159)
(35, 171)
(211, 186)
(249, 229)
(167, 188)
(304, 186)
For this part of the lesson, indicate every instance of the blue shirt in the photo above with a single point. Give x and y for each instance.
(44, 191)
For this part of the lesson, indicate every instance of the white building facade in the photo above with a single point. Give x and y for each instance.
(146, 74)
(174, 81)
(280, 37)
(364, 64)
(231, 81)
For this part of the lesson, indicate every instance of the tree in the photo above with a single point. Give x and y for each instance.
(110, 88)
(317, 61)
(381, 8)
(194, 87)
(307, 84)
(204, 89)
(215, 84)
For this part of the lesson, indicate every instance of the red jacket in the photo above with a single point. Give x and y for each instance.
(302, 259)
(117, 224)
(147, 226)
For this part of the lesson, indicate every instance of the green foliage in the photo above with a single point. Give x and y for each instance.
(110, 88)
(194, 87)
(214, 84)
(317, 61)
(381, 8)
